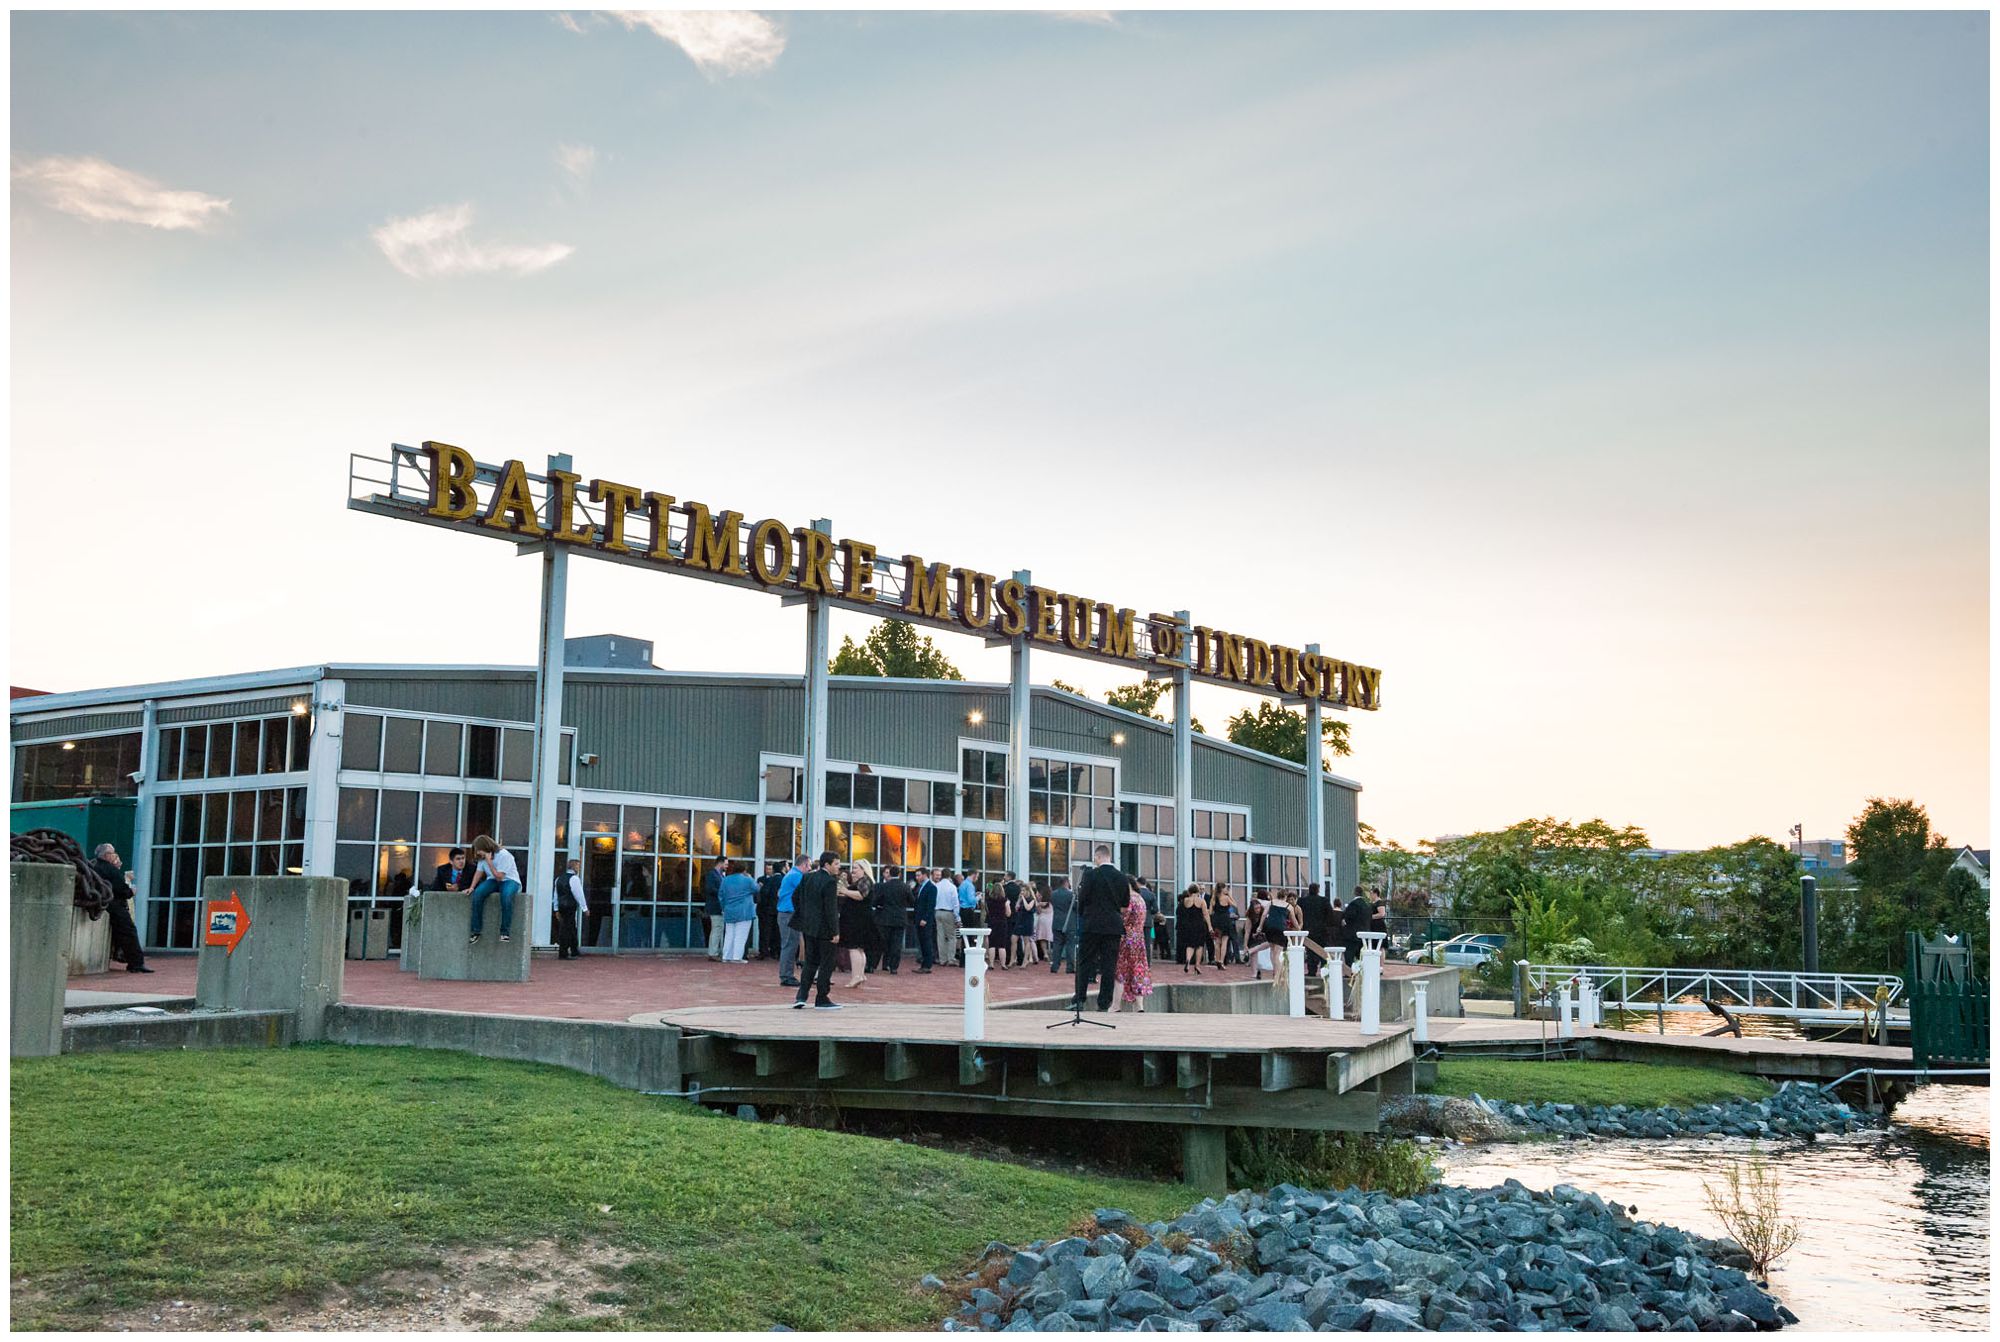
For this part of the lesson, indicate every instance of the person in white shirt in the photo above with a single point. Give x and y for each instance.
(570, 904)
(947, 918)
(497, 872)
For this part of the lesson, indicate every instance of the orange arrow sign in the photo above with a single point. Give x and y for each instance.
(228, 921)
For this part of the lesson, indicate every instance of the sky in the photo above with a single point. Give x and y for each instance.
(1617, 384)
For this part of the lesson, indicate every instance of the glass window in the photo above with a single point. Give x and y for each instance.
(295, 814)
(221, 746)
(191, 819)
(600, 818)
(361, 742)
(863, 841)
(996, 803)
(1128, 817)
(248, 752)
(892, 794)
(917, 797)
(216, 827)
(971, 768)
(840, 790)
(784, 783)
(1038, 772)
(1104, 813)
(275, 737)
(1201, 826)
(1239, 825)
(1167, 820)
(444, 745)
(271, 818)
(1058, 808)
(673, 831)
(740, 835)
(708, 833)
(357, 813)
(482, 752)
(944, 799)
(642, 829)
(867, 792)
(301, 740)
(996, 766)
(169, 763)
(440, 823)
(778, 832)
(563, 754)
(514, 823)
(482, 816)
(1038, 808)
(836, 839)
(674, 874)
(242, 817)
(194, 753)
(402, 745)
(398, 815)
(355, 864)
(518, 763)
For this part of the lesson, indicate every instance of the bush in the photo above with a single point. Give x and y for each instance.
(1264, 1157)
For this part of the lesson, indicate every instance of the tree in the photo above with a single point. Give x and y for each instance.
(1904, 882)
(1282, 732)
(1068, 688)
(1144, 699)
(893, 648)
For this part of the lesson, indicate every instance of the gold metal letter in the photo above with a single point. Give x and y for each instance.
(713, 546)
(857, 566)
(975, 598)
(659, 507)
(618, 500)
(451, 482)
(1011, 598)
(513, 506)
(815, 555)
(563, 485)
(1045, 607)
(771, 537)
(1075, 621)
(926, 591)
(1115, 631)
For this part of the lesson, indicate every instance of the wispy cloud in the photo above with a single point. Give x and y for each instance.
(577, 161)
(437, 243)
(90, 188)
(569, 21)
(729, 42)
(1103, 17)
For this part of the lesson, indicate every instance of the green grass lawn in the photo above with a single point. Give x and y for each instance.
(1646, 1084)
(255, 1177)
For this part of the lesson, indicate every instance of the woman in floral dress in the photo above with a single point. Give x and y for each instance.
(1134, 974)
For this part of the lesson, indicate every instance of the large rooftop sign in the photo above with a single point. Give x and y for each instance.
(442, 485)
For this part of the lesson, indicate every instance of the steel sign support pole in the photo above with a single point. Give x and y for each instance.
(1183, 770)
(328, 708)
(819, 627)
(140, 860)
(1020, 702)
(544, 801)
(1315, 791)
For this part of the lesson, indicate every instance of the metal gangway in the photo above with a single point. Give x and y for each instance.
(1763, 992)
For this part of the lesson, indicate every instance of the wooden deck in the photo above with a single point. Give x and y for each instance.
(1780, 1059)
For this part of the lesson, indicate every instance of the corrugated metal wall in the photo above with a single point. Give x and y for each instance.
(510, 700)
(76, 724)
(1065, 722)
(682, 740)
(903, 726)
(235, 708)
(1342, 815)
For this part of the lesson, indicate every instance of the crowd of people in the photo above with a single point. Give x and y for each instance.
(829, 916)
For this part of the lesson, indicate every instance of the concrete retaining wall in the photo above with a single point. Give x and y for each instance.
(1399, 996)
(292, 956)
(637, 1057)
(42, 897)
(89, 950)
(446, 925)
(181, 1030)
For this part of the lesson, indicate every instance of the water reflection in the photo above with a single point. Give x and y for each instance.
(1895, 1225)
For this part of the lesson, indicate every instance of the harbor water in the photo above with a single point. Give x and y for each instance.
(1895, 1233)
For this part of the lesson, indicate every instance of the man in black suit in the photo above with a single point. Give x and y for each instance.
(924, 907)
(816, 918)
(124, 932)
(1353, 924)
(1062, 901)
(1102, 901)
(451, 874)
(891, 898)
(1317, 911)
(767, 911)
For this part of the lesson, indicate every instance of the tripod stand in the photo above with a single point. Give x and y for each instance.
(1076, 1002)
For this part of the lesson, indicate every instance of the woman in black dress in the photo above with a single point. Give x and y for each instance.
(1191, 929)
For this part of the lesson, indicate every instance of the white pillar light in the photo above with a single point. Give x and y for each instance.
(975, 981)
(1422, 1024)
(1295, 973)
(1565, 1026)
(1371, 982)
(1335, 975)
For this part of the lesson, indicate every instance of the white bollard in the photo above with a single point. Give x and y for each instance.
(1587, 1011)
(1295, 973)
(975, 981)
(1422, 1028)
(1371, 982)
(1334, 973)
(1565, 1027)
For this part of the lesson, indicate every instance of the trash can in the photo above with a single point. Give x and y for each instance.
(368, 934)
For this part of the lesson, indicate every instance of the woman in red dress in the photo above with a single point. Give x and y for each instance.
(1134, 974)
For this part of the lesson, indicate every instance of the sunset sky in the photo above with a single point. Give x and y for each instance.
(1617, 384)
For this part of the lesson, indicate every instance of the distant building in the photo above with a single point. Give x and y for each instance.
(609, 652)
(1822, 854)
(1978, 861)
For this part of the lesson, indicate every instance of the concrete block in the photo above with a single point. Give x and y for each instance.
(637, 1057)
(89, 943)
(446, 926)
(42, 896)
(408, 958)
(291, 957)
(119, 1033)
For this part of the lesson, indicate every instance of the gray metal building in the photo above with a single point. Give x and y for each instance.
(372, 772)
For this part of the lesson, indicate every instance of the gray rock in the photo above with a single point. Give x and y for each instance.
(1111, 1218)
(1752, 1304)
(1136, 1304)
(1058, 1322)
(1165, 1323)
(1027, 1266)
(1390, 1316)
(1277, 1316)
(1610, 1319)
(1104, 1278)
(1090, 1314)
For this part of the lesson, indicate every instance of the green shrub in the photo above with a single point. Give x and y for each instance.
(1264, 1157)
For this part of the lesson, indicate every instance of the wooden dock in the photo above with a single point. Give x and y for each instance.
(1202, 1074)
(1778, 1059)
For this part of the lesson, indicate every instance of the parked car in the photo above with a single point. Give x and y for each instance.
(1467, 950)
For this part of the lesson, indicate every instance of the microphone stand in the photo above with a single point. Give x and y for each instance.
(1076, 997)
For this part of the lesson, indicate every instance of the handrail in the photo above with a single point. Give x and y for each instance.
(1743, 989)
